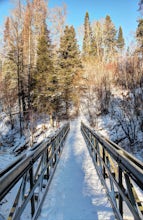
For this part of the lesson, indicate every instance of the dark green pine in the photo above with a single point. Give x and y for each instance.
(69, 64)
(44, 72)
(89, 46)
(110, 41)
(120, 39)
(44, 62)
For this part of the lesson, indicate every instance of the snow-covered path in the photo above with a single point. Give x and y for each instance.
(75, 192)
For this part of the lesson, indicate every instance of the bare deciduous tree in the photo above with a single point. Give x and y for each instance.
(57, 22)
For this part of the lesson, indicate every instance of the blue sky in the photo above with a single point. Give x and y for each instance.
(122, 12)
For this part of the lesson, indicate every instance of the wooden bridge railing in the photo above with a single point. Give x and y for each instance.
(120, 173)
(31, 175)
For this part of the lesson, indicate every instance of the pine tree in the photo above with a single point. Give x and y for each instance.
(39, 15)
(69, 66)
(89, 46)
(44, 71)
(139, 36)
(109, 39)
(120, 40)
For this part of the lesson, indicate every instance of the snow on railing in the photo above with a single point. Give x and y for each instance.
(120, 173)
(28, 178)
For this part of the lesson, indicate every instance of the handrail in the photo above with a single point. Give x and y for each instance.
(120, 173)
(35, 170)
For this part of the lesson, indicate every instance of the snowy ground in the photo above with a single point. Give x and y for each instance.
(105, 127)
(11, 142)
(76, 192)
(111, 125)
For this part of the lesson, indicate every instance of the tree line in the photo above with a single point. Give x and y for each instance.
(37, 74)
(112, 79)
(44, 71)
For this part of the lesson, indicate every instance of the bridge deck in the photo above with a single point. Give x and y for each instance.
(76, 192)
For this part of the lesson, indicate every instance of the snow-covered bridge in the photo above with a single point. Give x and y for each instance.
(74, 190)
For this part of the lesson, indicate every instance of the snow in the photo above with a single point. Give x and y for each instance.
(11, 142)
(4, 125)
(121, 113)
(6, 158)
(76, 192)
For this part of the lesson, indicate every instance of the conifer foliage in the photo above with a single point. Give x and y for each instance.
(69, 66)
(88, 42)
(120, 39)
(109, 39)
(41, 73)
(44, 70)
(28, 62)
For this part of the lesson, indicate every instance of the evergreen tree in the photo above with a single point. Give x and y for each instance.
(139, 36)
(109, 39)
(39, 15)
(89, 46)
(69, 66)
(44, 70)
(120, 40)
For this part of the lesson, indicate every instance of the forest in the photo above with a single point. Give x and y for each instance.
(45, 72)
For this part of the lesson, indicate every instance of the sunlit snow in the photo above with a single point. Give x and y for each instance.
(76, 192)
